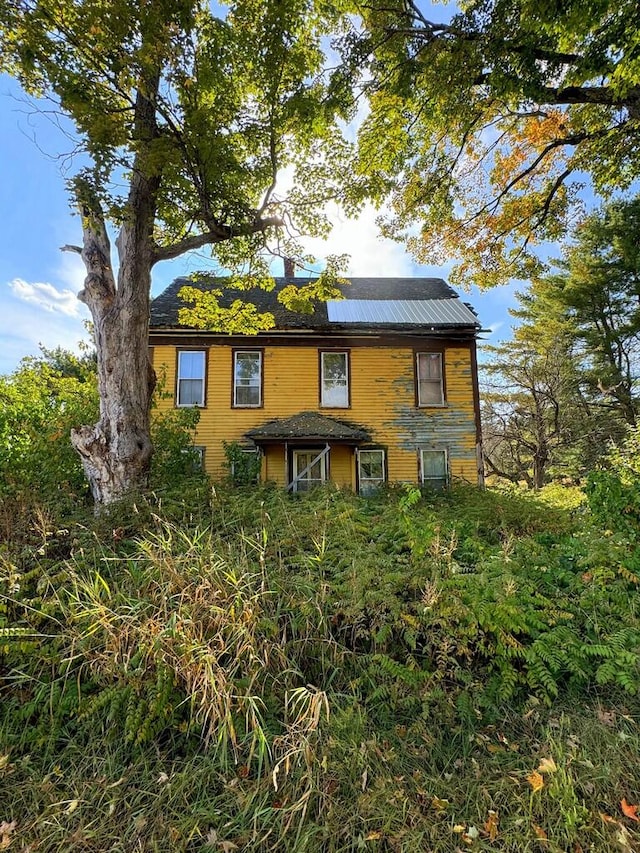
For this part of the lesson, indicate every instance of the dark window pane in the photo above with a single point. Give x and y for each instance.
(190, 392)
(434, 468)
(247, 378)
(430, 386)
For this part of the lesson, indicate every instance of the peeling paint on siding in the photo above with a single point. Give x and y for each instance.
(382, 399)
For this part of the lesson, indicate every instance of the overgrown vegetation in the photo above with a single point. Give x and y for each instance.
(566, 385)
(220, 668)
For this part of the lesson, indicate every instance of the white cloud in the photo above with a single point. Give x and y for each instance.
(370, 254)
(46, 296)
(37, 313)
(71, 271)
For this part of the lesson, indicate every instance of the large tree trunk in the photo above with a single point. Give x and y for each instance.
(116, 452)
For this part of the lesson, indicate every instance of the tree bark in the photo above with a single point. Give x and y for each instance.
(116, 451)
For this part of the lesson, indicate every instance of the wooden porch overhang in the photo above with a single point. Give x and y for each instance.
(308, 428)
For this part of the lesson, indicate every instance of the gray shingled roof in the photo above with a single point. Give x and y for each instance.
(452, 313)
(310, 426)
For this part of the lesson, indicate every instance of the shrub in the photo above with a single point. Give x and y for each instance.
(614, 491)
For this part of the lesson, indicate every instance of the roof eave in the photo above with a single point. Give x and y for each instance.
(306, 439)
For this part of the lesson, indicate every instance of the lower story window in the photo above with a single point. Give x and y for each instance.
(309, 469)
(244, 466)
(370, 470)
(434, 471)
(195, 456)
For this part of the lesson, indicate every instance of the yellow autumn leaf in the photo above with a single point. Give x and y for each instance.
(373, 836)
(540, 833)
(547, 765)
(535, 780)
(491, 825)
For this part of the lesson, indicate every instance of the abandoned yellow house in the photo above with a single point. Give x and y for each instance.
(378, 387)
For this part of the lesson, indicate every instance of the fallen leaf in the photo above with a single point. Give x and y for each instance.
(629, 810)
(364, 779)
(540, 833)
(73, 805)
(439, 805)
(373, 836)
(535, 780)
(624, 840)
(607, 718)
(162, 779)
(547, 765)
(6, 831)
(471, 835)
(607, 818)
(458, 828)
(491, 825)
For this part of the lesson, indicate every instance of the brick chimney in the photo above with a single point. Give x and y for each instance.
(289, 268)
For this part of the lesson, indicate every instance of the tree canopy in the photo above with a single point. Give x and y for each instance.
(566, 386)
(484, 129)
(186, 118)
(210, 108)
(592, 301)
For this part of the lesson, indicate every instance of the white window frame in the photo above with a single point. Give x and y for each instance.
(323, 402)
(428, 481)
(236, 404)
(201, 379)
(367, 485)
(438, 381)
(313, 451)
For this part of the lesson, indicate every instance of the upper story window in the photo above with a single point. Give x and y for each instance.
(430, 379)
(191, 374)
(334, 380)
(247, 378)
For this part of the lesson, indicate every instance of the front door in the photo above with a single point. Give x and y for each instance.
(309, 469)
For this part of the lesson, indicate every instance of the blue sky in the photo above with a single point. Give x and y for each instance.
(39, 283)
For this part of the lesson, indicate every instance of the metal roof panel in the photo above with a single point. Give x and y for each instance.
(414, 312)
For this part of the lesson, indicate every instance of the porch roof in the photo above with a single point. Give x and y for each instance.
(308, 426)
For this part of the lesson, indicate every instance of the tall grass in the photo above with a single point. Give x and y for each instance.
(246, 670)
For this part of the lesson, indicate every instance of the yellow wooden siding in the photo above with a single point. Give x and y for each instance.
(341, 466)
(274, 464)
(382, 400)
